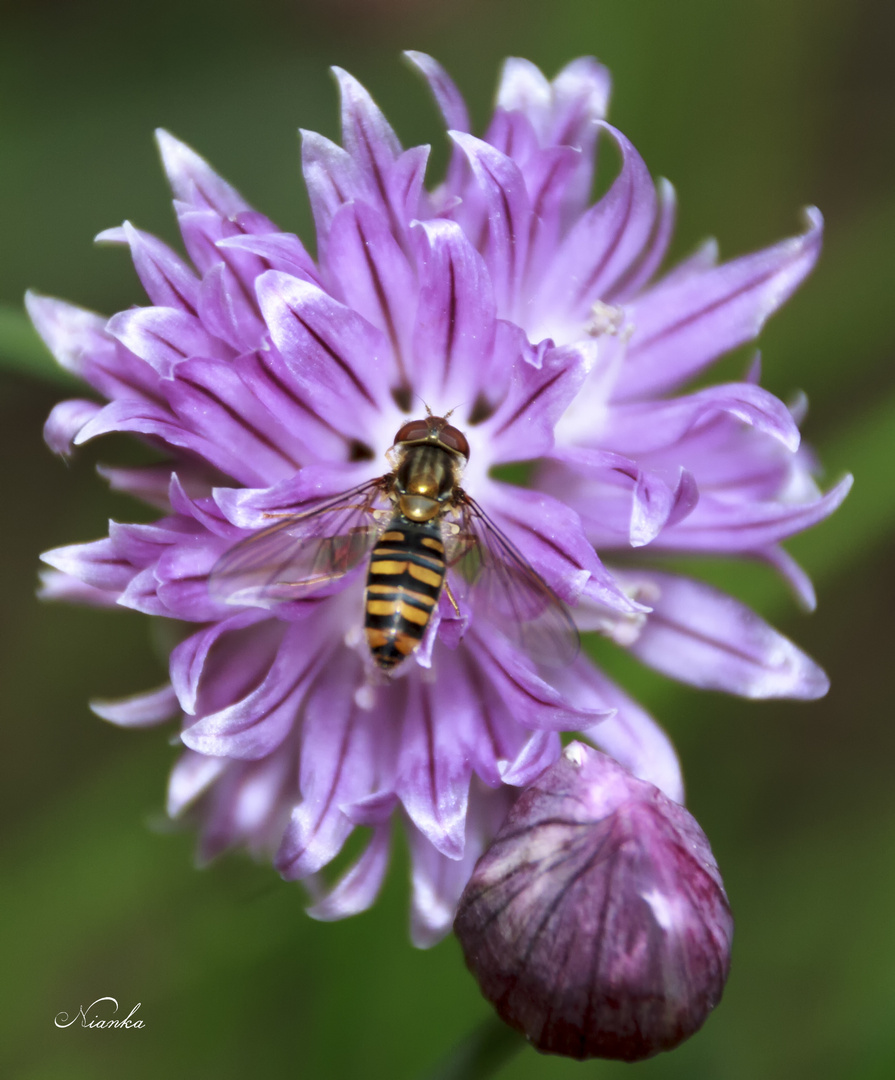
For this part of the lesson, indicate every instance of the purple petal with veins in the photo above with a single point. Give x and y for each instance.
(503, 188)
(602, 246)
(375, 277)
(358, 888)
(681, 327)
(701, 636)
(167, 279)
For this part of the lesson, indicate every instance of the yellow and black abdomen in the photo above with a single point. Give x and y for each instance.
(404, 583)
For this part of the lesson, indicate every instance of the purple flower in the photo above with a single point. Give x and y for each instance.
(596, 922)
(272, 382)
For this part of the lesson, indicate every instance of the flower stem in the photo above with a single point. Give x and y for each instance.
(480, 1054)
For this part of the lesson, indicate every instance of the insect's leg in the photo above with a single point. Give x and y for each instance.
(462, 544)
(450, 596)
(325, 510)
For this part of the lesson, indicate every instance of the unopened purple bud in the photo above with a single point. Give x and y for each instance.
(596, 923)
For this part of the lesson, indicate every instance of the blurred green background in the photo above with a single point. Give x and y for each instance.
(752, 108)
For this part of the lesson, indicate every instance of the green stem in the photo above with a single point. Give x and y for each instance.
(480, 1054)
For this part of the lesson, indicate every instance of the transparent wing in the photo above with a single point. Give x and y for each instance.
(489, 571)
(300, 554)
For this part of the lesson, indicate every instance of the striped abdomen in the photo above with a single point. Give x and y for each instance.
(403, 586)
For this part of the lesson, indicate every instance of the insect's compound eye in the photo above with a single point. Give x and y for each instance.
(454, 440)
(434, 429)
(413, 431)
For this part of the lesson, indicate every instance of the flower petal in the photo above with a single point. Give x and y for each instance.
(374, 810)
(78, 340)
(245, 806)
(792, 573)
(98, 564)
(453, 109)
(654, 503)
(139, 710)
(147, 418)
(407, 196)
(703, 637)
(332, 178)
(204, 510)
(433, 772)
(167, 279)
(602, 246)
(280, 251)
(65, 423)
(580, 100)
(547, 178)
(656, 248)
(642, 427)
(337, 766)
(524, 88)
(212, 401)
(728, 524)
(448, 97)
(181, 580)
(634, 739)
(522, 424)
(682, 326)
(359, 886)
(533, 703)
(203, 230)
(454, 332)
(54, 585)
(228, 312)
(270, 379)
(503, 188)
(188, 659)
(343, 364)
(437, 882)
(193, 180)
(191, 776)
(251, 508)
(373, 273)
(550, 537)
(141, 594)
(541, 749)
(257, 724)
(163, 336)
(367, 135)
(147, 482)
(563, 112)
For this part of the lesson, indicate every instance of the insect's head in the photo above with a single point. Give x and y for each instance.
(436, 430)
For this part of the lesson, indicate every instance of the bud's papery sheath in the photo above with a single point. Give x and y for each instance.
(596, 923)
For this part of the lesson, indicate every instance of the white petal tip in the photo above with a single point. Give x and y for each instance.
(812, 218)
(118, 234)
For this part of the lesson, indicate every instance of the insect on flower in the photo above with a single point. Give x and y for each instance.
(430, 527)
(273, 382)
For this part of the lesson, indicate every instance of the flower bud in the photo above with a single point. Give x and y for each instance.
(596, 923)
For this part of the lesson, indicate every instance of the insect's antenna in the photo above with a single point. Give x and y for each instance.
(454, 408)
(425, 404)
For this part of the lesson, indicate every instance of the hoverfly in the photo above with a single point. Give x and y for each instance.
(417, 524)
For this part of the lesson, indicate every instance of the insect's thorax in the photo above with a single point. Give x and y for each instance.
(425, 480)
